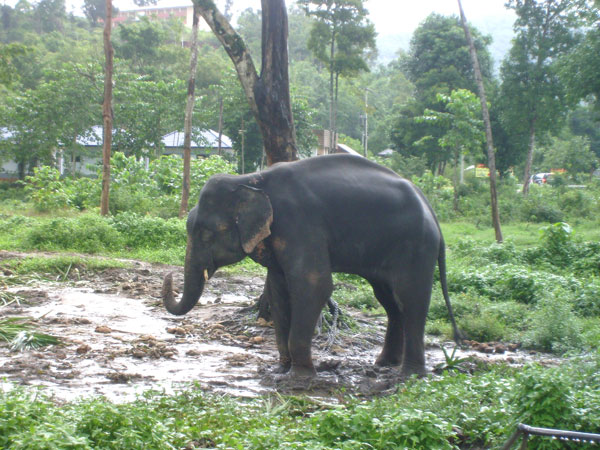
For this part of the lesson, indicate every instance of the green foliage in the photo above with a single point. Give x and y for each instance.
(46, 190)
(356, 295)
(58, 265)
(364, 428)
(452, 362)
(19, 334)
(556, 240)
(88, 233)
(448, 411)
(547, 399)
(149, 232)
(133, 187)
(554, 326)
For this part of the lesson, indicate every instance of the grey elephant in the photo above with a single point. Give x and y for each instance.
(303, 221)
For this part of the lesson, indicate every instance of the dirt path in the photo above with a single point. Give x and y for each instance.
(118, 340)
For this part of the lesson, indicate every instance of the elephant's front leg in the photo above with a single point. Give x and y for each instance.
(279, 302)
(309, 292)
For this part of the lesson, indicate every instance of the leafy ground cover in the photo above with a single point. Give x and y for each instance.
(449, 411)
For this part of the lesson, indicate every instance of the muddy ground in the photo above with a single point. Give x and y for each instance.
(118, 340)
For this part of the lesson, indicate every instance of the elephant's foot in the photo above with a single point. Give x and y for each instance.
(297, 378)
(282, 367)
(409, 370)
(388, 361)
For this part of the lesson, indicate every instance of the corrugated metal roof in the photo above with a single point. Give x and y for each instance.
(343, 148)
(93, 138)
(5, 133)
(204, 139)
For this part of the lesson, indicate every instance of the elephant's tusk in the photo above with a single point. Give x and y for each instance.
(205, 275)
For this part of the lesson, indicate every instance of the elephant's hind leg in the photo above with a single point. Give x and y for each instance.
(393, 347)
(415, 304)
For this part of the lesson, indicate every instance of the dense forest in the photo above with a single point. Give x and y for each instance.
(543, 95)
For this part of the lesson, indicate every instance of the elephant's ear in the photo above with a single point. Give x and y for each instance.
(254, 216)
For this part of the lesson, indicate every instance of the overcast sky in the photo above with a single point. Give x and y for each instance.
(389, 16)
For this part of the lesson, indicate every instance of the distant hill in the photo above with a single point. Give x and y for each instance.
(500, 28)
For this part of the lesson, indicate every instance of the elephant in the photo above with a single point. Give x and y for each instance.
(303, 221)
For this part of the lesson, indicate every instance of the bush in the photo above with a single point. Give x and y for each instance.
(577, 203)
(9, 224)
(88, 233)
(133, 187)
(553, 326)
(545, 399)
(356, 296)
(482, 327)
(363, 427)
(145, 232)
(46, 190)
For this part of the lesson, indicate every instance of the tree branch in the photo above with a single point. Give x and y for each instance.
(234, 46)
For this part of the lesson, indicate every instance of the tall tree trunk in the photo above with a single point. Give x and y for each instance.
(455, 181)
(529, 160)
(107, 110)
(331, 95)
(335, 112)
(220, 131)
(187, 124)
(268, 94)
(491, 153)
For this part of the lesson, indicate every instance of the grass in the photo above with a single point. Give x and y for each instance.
(445, 412)
(59, 265)
(453, 410)
(521, 234)
(19, 334)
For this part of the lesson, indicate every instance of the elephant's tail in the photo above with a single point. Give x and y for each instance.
(458, 336)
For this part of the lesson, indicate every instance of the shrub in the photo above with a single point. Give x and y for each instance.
(577, 203)
(545, 399)
(356, 296)
(149, 232)
(553, 326)
(46, 190)
(12, 223)
(362, 427)
(88, 233)
(83, 192)
(482, 327)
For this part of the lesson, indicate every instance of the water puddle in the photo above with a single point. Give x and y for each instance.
(119, 341)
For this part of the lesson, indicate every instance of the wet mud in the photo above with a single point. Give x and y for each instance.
(118, 340)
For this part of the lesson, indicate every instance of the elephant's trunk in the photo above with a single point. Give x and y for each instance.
(192, 290)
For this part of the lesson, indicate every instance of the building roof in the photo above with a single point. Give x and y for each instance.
(343, 148)
(5, 133)
(200, 139)
(93, 138)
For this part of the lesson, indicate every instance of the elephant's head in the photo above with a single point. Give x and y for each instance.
(226, 225)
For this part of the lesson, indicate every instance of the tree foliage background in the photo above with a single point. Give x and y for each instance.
(51, 85)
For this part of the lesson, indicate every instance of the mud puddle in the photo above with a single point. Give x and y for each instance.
(118, 341)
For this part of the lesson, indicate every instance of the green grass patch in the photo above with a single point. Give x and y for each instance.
(450, 411)
(61, 265)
